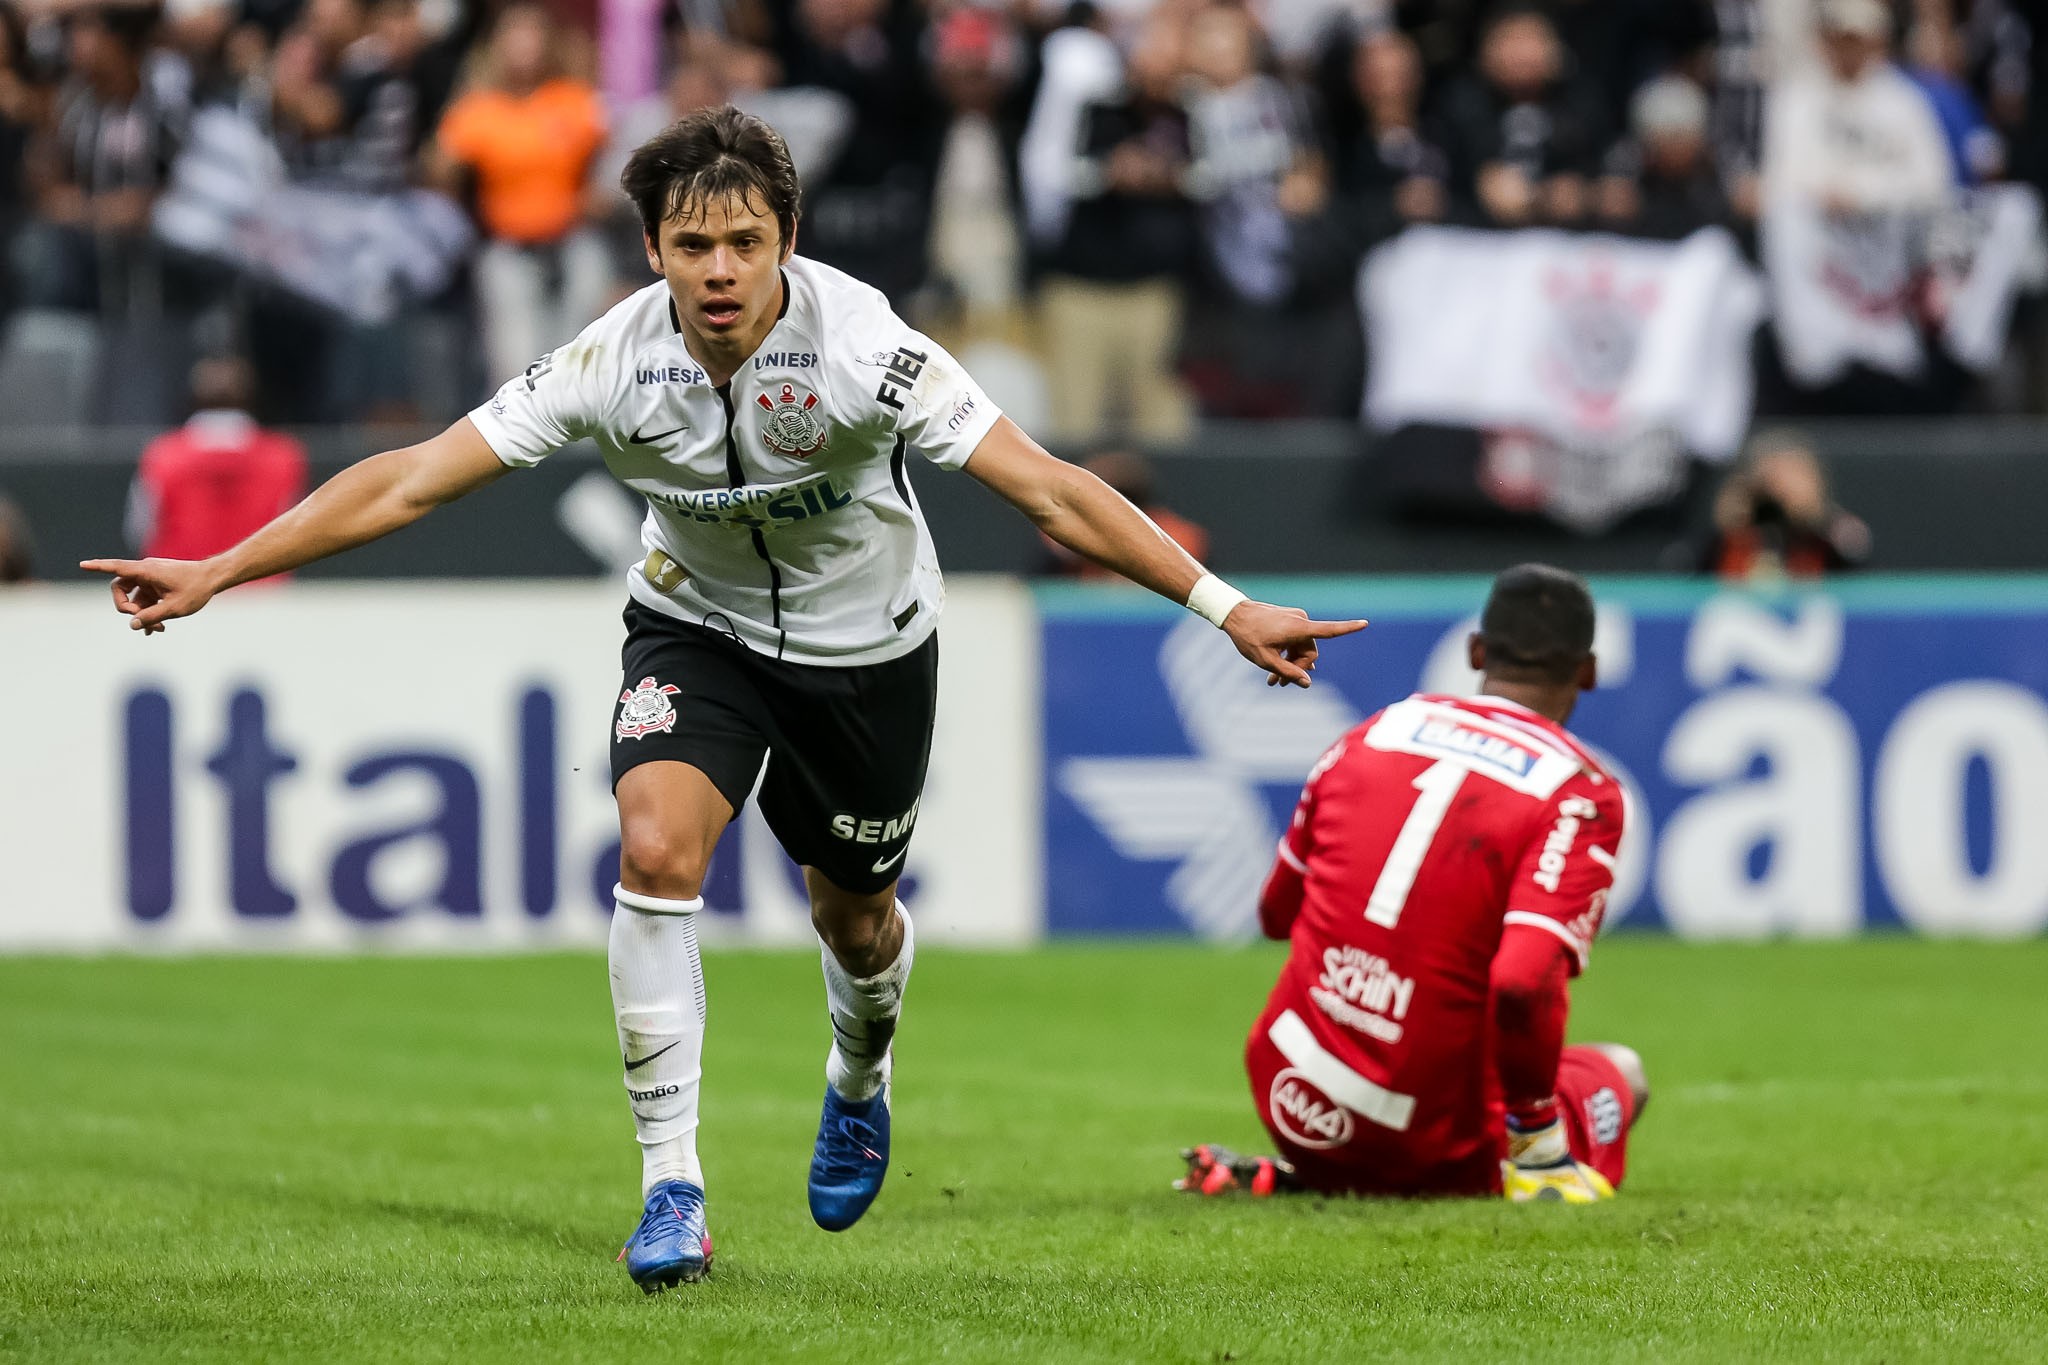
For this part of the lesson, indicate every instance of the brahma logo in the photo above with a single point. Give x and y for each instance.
(1306, 1116)
(1484, 745)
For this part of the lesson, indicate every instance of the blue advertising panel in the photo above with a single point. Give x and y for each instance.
(1813, 763)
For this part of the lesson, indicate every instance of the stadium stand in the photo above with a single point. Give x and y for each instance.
(1303, 135)
(1128, 218)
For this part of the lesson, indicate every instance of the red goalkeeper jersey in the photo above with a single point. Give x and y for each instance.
(1419, 837)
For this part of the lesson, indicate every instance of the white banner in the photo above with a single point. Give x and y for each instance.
(1852, 290)
(1580, 339)
(322, 767)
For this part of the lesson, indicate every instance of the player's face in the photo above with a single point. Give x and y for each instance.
(720, 260)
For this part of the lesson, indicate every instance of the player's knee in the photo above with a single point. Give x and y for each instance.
(657, 861)
(1629, 1063)
(851, 924)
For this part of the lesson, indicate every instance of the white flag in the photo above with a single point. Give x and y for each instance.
(1584, 339)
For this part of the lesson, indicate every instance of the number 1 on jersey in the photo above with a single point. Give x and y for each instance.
(1438, 783)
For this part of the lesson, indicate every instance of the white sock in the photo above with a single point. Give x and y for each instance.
(864, 1011)
(658, 1002)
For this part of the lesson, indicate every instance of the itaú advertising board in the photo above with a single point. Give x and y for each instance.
(423, 766)
(1875, 755)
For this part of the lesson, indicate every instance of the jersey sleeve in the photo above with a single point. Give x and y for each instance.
(923, 394)
(1561, 884)
(557, 400)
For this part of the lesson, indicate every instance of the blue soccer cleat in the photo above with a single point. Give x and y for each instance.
(671, 1245)
(850, 1159)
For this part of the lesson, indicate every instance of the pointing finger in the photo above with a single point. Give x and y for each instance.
(1326, 630)
(122, 567)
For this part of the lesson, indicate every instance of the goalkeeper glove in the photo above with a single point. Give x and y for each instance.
(1540, 1167)
(1214, 1170)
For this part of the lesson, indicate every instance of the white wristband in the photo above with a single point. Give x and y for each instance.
(1211, 599)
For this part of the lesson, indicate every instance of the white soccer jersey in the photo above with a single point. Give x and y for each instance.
(782, 498)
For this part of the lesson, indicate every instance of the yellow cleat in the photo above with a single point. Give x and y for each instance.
(1540, 1169)
(1570, 1183)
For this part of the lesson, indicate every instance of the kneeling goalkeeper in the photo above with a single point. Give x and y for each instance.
(1444, 876)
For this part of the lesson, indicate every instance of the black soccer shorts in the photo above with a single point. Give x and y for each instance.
(846, 747)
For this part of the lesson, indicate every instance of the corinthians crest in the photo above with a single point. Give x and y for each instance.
(1595, 334)
(792, 424)
(646, 709)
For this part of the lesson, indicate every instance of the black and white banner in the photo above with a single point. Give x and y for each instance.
(1617, 356)
(1874, 290)
(362, 256)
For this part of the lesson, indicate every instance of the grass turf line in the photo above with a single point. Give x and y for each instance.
(418, 1159)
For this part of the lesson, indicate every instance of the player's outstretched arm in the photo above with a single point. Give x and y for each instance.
(1086, 515)
(1530, 1002)
(364, 501)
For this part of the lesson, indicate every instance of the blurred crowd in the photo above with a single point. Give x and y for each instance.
(1124, 214)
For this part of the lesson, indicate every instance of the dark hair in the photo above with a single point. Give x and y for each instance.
(1509, 11)
(713, 154)
(1538, 623)
(130, 27)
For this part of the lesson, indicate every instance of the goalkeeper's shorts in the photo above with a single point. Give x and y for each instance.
(1338, 1150)
(1599, 1109)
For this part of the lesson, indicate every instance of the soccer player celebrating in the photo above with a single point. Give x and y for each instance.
(763, 404)
(1445, 873)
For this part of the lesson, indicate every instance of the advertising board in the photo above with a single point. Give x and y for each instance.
(423, 766)
(1813, 764)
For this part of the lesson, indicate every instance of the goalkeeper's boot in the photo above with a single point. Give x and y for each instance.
(850, 1159)
(671, 1246)
(1540, 1168)
(1214, 1170)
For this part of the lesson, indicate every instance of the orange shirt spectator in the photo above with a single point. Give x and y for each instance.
(531, 154)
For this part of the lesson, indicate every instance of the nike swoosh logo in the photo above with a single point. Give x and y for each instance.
(640, 440)
(632, 1065)
(884, 864)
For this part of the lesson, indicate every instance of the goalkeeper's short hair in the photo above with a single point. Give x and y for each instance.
(1538, 623)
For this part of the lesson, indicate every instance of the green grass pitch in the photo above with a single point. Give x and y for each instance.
(1846, 1159)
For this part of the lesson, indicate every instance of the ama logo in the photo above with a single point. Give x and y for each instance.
(1305, 1115)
